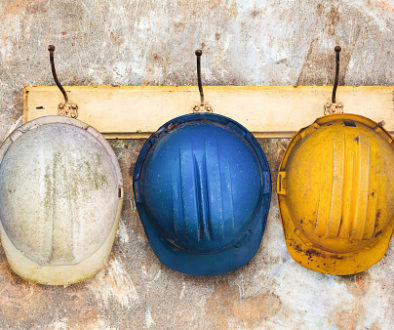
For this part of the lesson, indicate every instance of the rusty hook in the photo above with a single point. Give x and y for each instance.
(334, 90)
(198, 54)
(333, 107)
(51, 49)
(66, 108)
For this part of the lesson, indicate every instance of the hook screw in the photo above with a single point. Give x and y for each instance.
(66, 108)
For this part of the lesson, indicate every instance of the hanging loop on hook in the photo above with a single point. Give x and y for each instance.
(66, 108)
(203, 106)
(334, 107)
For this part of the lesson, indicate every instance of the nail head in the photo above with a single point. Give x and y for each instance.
(198, 52)
(337, 48)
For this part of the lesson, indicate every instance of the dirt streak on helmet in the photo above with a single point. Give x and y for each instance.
(60, 200)
(202, 188)
(336, 194)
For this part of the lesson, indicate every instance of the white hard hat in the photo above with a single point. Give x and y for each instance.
(61, 194)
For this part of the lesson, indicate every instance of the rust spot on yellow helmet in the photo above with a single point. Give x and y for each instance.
(336, 194)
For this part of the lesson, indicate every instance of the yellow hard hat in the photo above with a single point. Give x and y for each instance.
(336, 194)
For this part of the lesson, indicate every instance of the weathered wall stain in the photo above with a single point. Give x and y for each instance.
(227, 310)
(18, 6)
(135, 42)
(347, 319)
(20, 301)
(333, 19)
(319, 60)
(113, 285)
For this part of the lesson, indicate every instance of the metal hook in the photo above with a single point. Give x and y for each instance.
(198, 54)
(203, 106)
(334, 90)
(334, 107)
(65, 108)
(51, 49)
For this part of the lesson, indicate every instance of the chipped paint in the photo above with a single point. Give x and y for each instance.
(123, 232)
(247, 312)
(114, 285)
(148, 319)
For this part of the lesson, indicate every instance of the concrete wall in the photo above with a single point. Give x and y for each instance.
(137, 42)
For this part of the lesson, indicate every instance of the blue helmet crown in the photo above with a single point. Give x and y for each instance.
(203, 187)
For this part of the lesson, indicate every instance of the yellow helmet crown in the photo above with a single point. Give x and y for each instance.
(336, 194)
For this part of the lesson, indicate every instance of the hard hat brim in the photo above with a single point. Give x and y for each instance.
(325, 262)
(334, 263)
(204, 264)
(59, 274)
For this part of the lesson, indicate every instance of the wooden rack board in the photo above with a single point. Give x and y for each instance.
(277, 111)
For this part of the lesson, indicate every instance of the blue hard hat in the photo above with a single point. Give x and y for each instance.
(202, 187)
